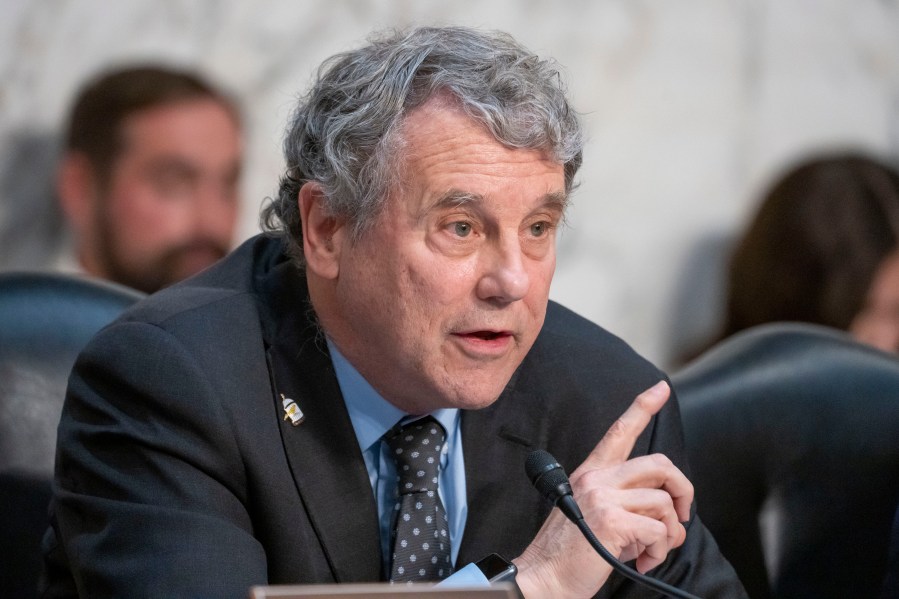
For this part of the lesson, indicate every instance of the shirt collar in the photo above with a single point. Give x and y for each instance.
(371, 414)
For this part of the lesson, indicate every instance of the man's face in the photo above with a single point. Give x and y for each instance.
(878, 322)
(441, 299)
(169, 206)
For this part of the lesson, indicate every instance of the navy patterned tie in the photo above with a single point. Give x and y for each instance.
(421, 544)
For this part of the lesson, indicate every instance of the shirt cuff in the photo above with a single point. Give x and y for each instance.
(469, 576)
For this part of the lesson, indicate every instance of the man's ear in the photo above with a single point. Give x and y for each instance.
(76, 187)
(322, 233)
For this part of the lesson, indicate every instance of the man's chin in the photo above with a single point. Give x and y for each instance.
(476, 395)
(476, 385)
(476, 404)
(163, 275)
(194, 261)
(460, 394)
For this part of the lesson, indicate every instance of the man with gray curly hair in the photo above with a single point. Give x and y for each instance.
(352, 396)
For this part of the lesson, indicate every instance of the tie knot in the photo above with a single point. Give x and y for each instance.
(416, 450)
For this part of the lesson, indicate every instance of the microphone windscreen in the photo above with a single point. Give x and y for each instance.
(547, 475)
(539, 462)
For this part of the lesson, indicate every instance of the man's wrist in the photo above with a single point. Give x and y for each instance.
(540, 576)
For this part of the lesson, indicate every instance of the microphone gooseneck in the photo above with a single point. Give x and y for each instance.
(549, 478)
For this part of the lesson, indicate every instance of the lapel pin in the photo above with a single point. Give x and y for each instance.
(292, 411)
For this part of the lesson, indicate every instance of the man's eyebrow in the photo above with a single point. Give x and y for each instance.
(451, 199)
(455, 198)
(557, 199)
(172, 164)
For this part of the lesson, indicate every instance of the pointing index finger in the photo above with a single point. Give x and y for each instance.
(618, 442)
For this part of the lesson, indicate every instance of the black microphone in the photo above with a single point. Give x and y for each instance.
(548, 476)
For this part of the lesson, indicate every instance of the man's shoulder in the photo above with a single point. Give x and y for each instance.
(576, 360)
(576, 337)
(230, 286)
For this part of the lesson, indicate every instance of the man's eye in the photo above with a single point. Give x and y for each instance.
(172, 183)
(462, 229)
(539, 229)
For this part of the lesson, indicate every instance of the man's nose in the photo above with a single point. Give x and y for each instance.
(505, 278)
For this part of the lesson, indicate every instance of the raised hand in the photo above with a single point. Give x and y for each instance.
(635, 507)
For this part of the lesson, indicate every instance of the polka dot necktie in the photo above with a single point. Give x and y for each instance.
(421, 544)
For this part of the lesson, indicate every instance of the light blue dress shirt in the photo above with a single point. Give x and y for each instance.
(372, 416)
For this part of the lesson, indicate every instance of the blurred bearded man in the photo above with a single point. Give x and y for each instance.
(148, 179)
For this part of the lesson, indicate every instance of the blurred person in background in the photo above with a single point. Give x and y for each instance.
(148, 179)
(878, 322)
(823, 248)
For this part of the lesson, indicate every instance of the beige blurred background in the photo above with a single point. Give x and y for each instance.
(691, 107)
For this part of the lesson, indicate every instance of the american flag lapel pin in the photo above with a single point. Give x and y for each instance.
(292, 411)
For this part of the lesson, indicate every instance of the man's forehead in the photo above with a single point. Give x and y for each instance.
(441, 130)
(173, 131)
(443, 112)
(175, 115)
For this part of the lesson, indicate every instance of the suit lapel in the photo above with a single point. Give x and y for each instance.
(323, 452)
(496, 441)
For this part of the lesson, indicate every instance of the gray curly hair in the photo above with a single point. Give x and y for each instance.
(343, 133)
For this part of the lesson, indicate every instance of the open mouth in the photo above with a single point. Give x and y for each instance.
(487, 335)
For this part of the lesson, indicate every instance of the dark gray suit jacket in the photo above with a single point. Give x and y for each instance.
(177, 475)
